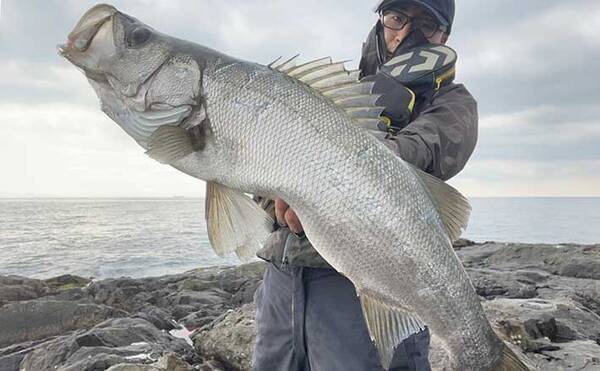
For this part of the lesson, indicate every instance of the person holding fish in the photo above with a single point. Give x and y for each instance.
(431, 127)
(361, 261)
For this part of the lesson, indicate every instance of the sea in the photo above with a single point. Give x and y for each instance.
(101, 238)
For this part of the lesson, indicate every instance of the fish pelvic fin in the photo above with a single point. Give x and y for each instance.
(388, 325)
(339, 85)
(169, 144)
(235, 222)
(454, 209)
(510, 362)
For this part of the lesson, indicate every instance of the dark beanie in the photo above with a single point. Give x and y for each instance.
(443, 10)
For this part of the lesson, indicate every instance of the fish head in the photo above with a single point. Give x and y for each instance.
(144, 79)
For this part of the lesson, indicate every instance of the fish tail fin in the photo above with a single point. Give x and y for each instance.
(510, 362)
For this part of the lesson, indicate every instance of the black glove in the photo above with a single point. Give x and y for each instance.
(412, 80)
(398, 100)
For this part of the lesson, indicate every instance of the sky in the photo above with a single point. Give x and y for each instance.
(531, 65)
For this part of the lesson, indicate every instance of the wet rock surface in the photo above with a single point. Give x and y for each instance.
(542, 299)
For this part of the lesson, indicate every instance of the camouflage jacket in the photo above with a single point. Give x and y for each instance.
(439, 141)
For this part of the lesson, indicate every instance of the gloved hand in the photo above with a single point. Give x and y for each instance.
(398, 100)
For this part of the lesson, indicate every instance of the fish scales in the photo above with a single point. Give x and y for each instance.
(372, 197)
(244, 127)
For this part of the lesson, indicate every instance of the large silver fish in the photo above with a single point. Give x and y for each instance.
(301, 133)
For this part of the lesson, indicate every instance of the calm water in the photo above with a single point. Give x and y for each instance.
(145, 237)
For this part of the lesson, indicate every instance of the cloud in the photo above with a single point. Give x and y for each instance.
(79, 152)
(511, 178)
(544, 133)
(35, 82)
(530, 54)
(530, 65)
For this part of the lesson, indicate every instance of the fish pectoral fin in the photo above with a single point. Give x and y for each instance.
(169, 143)
(388, 325)
(235, 222)
(453, 207)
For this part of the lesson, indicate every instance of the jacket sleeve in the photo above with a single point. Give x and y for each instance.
(442, 137)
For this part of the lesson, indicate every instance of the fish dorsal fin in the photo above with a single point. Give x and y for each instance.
(453, 208)
(388, 325)
(285, 65)
(235, 223)
(335, 82)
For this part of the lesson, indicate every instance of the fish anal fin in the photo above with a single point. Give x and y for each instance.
(169, 143)
(388, 324)
(235, 223)
(453, 208)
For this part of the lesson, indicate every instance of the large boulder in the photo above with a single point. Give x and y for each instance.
(168, 362)
(230, 339)
(543, 300)
(17, 288)
(551, 333)
(548, 314)
(215, 288)
(567, 260)
(58, 323)
(34, 320)
(113, 342)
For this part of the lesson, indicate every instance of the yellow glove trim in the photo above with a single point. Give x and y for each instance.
(411, 105)
(386, 120)
(441, 78)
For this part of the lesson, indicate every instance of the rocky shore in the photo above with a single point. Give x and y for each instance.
(542, 299)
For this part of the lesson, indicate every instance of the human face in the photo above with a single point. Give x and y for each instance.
(393, 38)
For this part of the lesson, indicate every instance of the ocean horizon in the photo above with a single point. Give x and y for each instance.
(103, 237)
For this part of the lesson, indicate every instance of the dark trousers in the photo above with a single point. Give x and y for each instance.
(311, 319)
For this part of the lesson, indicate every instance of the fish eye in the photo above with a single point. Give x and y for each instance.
(138, 36)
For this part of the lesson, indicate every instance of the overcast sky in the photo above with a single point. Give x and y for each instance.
(532, 65)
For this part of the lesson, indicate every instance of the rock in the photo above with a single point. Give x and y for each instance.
(563, 259)
(34, 320)
(491, 284)
(540, 328)
(115, 341)
(194, 284)
(11, 356)
(575, 355)
(172, 362)
(543, 300)
(67, 282)
(563, 319)
(232, 280)
(11, 362)
(17, 288)
(160, 318)
(230, 340)
(180, 311)
(211, 365)
(199, 318)
(245, 293)
(462, 242)
(168, 362)
(208, 297)
(182, 294)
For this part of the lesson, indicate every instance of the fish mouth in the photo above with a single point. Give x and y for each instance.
(90, 23)
(93, 22)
